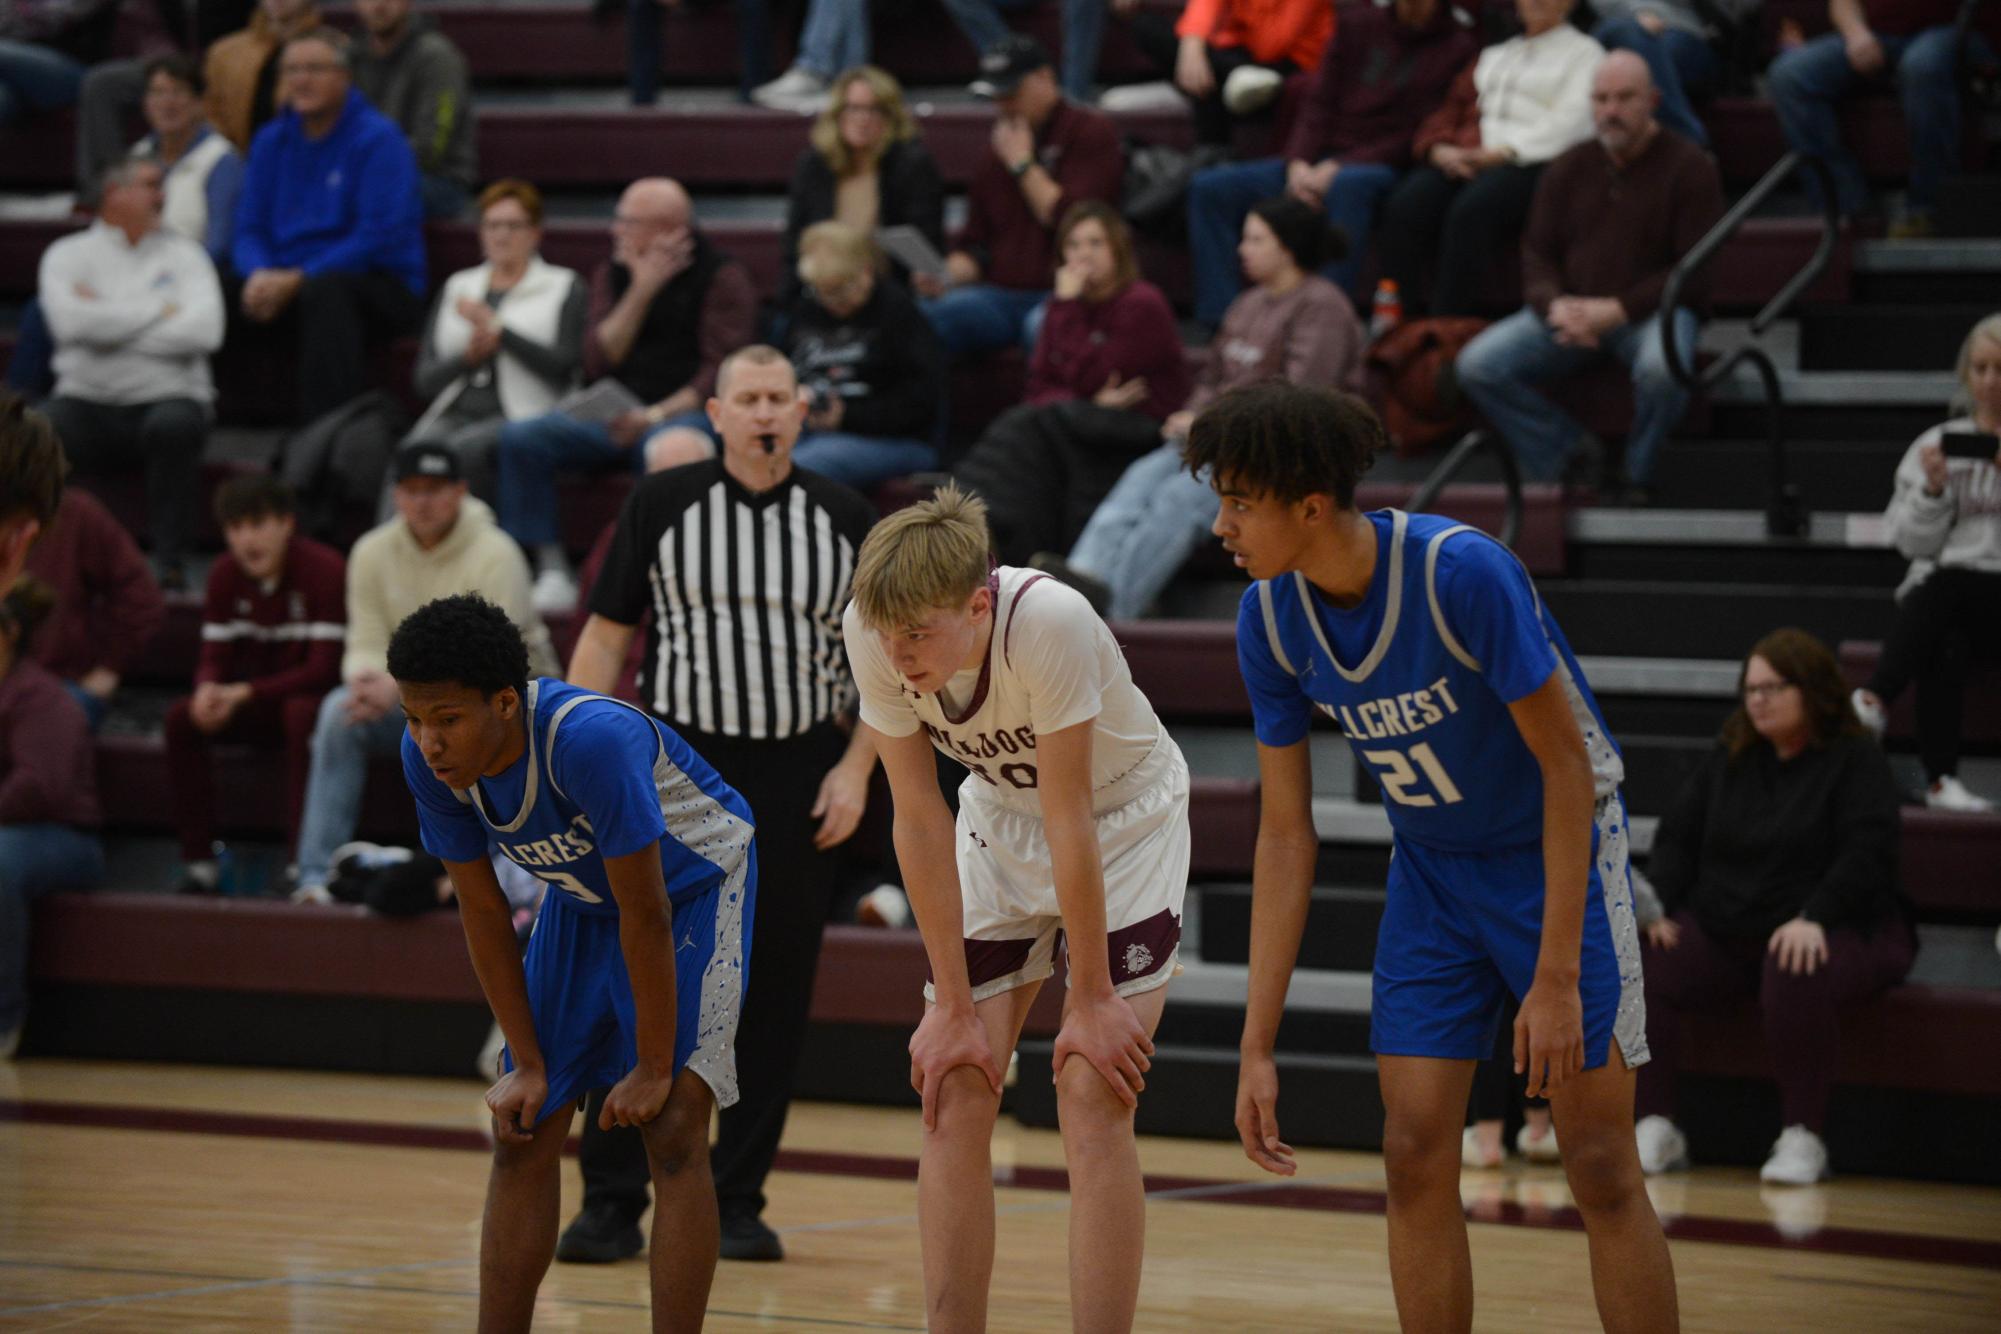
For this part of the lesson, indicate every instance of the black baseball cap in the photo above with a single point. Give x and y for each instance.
(1003, 68)
(427, 458)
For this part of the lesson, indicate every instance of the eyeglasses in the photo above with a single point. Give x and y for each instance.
(1766, 689)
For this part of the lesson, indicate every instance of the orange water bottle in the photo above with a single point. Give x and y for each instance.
(1387, 310)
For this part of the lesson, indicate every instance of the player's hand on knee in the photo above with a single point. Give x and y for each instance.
(515, 1103)
(945, 1040)
(635, 1100)
(1257, 1116)
(1549, 1036)
(1106, 1032)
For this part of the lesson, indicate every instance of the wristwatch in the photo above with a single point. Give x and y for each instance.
(1020, 169)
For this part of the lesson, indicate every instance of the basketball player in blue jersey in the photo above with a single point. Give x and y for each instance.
(1426, 642)
(634, 976)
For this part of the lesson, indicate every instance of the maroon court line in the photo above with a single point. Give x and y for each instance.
(1866, 1243)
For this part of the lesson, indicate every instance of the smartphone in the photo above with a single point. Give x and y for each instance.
(1981, 446)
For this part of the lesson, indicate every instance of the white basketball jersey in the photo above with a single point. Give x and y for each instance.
(1052, 663)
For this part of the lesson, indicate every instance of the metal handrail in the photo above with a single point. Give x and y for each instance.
(1462, 453)
(1785, 511)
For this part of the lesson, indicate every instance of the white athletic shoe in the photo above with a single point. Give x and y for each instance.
(1132, 98)
(1869, 710)
(789, 90)
(1663, 1148)
(555, 592)
(1251, 88)
(1949, 794)
(312, 894)
(1798, 1159)
(1542, 1150)
(10, 1042)
(1472, 1155)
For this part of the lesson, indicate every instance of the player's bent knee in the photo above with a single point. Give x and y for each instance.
(1086, 1104)
(965, 1103)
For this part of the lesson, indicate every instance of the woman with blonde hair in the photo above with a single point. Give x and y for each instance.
(1945, 515)
(864, 166)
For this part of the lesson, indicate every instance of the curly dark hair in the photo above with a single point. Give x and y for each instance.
(464, 639)
(1287, 441)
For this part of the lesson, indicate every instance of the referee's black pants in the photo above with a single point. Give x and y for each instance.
(795, 889)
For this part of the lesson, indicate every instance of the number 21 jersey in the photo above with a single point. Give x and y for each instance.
(1419, 675)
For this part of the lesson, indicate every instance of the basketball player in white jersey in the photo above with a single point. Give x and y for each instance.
(1073, 819)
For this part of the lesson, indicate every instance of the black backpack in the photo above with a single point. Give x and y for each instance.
(336, 464)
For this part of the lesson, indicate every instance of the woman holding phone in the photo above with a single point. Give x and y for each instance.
(1945, 515)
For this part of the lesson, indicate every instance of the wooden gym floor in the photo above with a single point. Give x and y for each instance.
(151, 1197)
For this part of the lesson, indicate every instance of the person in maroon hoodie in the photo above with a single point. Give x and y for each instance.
(48, 794)
(1107, 371)
(108, 605)
(274, 620)
(1389, 64)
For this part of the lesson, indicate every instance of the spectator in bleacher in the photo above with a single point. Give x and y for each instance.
(273, 617)
(1452, 220)
(1108, 371)
(1231, 58)
(1676, 40)
(867, 361)
(442, 541)
(203, 176)
(1290, 324)
(49, 811)
(242, 68)
(329, 238)
(1777, 866)
(1945, 516)
(865, 167)
(1383, 72)
(665, 310)
(1611, 219)
(45, 46)
(204, 170)
(505, 340)
(108, 606)
(1048, 155)
(135, 311)
(413, 74)
(1874, 42)
(31, 482)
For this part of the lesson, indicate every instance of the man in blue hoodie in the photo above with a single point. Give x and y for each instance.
(329, 230)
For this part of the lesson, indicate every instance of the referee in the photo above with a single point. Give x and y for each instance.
(745, 563)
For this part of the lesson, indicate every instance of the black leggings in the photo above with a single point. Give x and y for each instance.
(1944, 624)
(1442, 238)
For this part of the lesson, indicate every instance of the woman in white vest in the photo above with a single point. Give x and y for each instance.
(504, 341)
(204, 173)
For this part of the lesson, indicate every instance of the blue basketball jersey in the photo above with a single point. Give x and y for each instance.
(1419, 676)
(599, 778)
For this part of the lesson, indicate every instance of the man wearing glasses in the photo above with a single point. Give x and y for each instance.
(329, 241)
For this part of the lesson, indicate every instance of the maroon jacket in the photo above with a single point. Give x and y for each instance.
(48, 770)
(1084, 342)
(285, 639)
(108, 607)
(1077, 146)
(1377, 81)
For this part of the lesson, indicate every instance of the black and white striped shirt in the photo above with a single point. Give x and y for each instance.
(746, 593)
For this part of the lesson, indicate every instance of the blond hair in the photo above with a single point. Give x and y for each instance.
(928, 555)
(833, 252)
(1989, 328)
(826, 133)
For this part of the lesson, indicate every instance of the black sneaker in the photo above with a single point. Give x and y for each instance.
(745, 1237)
(600, 1235)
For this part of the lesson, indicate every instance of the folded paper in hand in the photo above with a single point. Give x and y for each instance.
(598, 403)
(912, 249)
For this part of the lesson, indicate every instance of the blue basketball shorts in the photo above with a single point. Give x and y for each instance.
(1460, 928)
(585, 1020)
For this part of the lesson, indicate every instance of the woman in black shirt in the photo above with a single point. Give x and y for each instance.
(1778, 870)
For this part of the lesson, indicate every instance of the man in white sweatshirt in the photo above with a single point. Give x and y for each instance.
(135, 311)
(441, 541)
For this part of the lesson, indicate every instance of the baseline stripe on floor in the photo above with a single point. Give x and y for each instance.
(1922, 1248)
